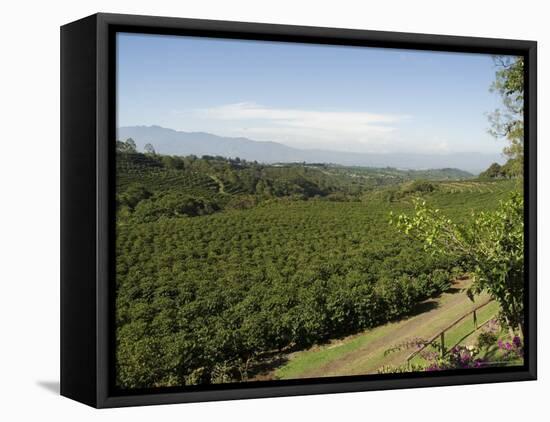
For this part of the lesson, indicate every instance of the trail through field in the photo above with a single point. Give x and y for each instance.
(364, 353)
(219, 182)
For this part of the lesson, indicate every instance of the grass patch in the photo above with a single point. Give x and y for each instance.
(366, 353)
(463, 333)
(319, 356)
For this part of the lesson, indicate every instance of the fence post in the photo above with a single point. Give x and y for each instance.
(475, 320)
(442, 337)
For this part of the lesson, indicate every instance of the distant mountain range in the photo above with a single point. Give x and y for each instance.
(172, 142)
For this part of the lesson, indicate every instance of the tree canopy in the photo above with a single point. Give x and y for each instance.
(508, 122)
(489, 246)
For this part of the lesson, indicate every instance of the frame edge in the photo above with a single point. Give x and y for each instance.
(78, 210)
(104, 128)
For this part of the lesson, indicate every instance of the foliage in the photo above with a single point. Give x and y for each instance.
(195, 293)
(422, 186)
(149, 149)
(508, 122)
(490, 349)
(400, 369)
(128, 146)
(490, 246)
(173, 205)
(486, 339)
(458, 357)
(222, 262)
(416, 187)
(240, 177)
(496, 171)
(132, 196)
(513, 350)
(202, 298)
(488, 335)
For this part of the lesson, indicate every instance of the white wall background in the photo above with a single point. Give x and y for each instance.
(29, 211)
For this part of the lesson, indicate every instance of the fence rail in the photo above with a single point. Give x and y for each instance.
(441, 334)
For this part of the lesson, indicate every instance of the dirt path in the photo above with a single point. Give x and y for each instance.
(364, 353)
(221, 186)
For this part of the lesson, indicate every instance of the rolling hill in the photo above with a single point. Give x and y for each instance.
(172, 142)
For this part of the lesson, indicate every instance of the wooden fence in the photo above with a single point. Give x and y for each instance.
(441, 335)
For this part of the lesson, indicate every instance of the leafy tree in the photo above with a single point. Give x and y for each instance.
(421, 186)
(128, 147)
(133, 195)
(173, 205)
(509, 169)
(489, 245)
(172, 162)
(149, 149)
(508, 122)
(120, 146)
(494, 171)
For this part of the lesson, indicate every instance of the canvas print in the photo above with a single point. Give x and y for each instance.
(299, 211)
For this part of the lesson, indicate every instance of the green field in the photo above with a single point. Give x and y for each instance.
(226, 270)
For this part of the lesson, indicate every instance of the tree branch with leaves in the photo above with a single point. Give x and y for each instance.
(489, 247)
(507, 122)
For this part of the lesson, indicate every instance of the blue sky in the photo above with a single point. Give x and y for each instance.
(308, 96)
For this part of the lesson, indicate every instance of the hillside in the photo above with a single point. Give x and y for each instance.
(221, 179)
(221, 263)
(172, 142)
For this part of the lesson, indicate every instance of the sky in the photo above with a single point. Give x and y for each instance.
(308, 96)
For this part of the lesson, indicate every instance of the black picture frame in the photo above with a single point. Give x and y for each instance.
(87, 206)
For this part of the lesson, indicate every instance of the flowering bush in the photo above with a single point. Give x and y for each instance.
(488, 337)
(512, 350)
(459, 357)
(462, 357)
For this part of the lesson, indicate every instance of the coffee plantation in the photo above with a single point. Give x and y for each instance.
(221, 264)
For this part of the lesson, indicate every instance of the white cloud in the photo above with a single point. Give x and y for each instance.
(331, 120)
(343, 130)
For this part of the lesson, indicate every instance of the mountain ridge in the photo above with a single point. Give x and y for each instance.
(174, 142)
